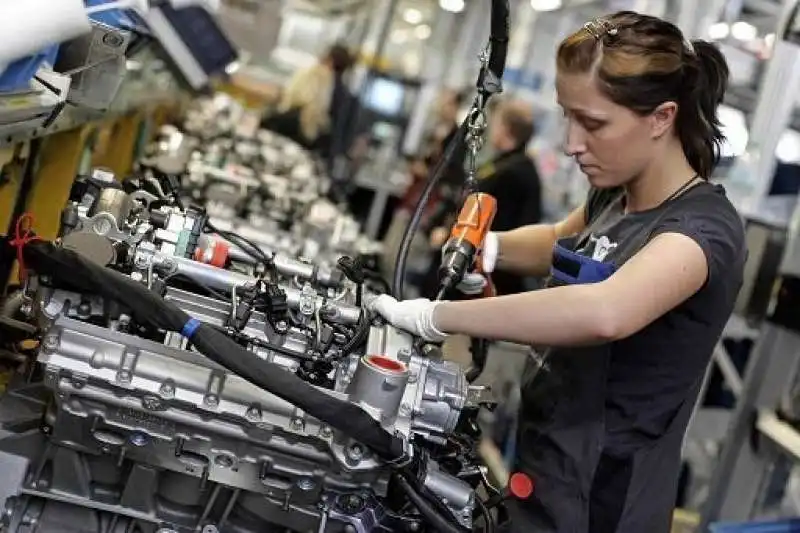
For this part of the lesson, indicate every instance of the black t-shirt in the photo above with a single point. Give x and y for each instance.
(652, 372)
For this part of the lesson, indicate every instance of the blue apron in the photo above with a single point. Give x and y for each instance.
(581, 486)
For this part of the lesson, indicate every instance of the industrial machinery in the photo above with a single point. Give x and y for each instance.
(179, 388)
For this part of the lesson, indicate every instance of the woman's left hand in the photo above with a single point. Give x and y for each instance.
(413, 316)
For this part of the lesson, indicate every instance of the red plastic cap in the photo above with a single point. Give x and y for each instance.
(384, 363)
(520, 486)
(212, 252)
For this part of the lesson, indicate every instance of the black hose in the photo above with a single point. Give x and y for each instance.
(68, 269)
(488, 84)
(440, 523)
(360, 335)
(487, 516)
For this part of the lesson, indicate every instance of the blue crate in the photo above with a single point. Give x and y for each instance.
(116, 18)
(777, 526)
(17, 75)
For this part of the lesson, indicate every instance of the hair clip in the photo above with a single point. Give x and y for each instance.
(599, 28)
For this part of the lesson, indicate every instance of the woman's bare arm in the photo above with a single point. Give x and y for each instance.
(529, 250)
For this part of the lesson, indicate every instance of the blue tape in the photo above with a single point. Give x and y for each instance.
(190, 327)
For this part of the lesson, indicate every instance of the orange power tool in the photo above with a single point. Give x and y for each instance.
(463, 248)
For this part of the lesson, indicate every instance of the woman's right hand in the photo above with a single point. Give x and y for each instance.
(474, 282)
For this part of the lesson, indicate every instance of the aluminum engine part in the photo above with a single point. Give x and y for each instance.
(172, 413)
(433, 398)
(217, 278)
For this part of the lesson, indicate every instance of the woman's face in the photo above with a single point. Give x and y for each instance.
(611, 143)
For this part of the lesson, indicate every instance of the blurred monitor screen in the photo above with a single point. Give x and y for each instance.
(385, 96)
(194, 41)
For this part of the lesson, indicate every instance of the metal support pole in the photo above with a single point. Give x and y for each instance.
(751, 177)
(436, 49)
(375, 42)
(746, 464)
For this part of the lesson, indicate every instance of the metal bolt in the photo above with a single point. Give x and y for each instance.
(224, 461)
(139, 439)
(297, 423)
(355, 452)
(281, 326)
(326, 431)
(254, 413)
(152, 403)
(123, 375)
(51, 342)
(305, 483)
(137, 276)
(102, 226)
(167, 389)
(115, 41)
(211, 400)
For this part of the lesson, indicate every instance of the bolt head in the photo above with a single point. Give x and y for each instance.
(138, 439)
(224, 461)
(212, 400)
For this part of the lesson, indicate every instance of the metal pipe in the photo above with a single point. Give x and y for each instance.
(225, 280)
(292, 268)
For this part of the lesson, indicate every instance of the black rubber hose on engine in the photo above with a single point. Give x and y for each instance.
(69, 270)
(488, 84)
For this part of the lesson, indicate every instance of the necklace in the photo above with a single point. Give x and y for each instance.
(680, 189)
(669, 198)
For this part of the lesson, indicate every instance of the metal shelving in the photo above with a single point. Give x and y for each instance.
(28, 112)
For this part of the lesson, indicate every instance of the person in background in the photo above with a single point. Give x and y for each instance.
(313, 107)
(643, 279)
(420, 169)
(511, 178)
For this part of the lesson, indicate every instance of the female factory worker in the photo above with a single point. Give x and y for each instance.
(643, 279)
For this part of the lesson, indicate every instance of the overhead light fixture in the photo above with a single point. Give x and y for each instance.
(412, 16)
(718, 31)
(422, 32)
(744, 31)
(453, 6)
(546, 5)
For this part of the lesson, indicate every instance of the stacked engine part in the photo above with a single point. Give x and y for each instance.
(255, 183)
(266, 410)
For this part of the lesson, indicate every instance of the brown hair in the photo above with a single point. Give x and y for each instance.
(641, 62)
(340, 58)
(517, 117)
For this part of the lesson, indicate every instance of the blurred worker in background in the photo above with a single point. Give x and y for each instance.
(511, 178)
(643, 278)
(420, 168)
(314, 107)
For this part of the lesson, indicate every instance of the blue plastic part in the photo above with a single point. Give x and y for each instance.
(117, 18)
(777, 526)
(19, 74)
(190, 327)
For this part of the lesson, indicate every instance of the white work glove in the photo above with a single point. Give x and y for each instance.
(473, 282)
(413, 316)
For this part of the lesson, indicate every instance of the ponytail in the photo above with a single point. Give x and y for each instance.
(703, 89)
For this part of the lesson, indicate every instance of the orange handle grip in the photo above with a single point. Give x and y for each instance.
(475, 219)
